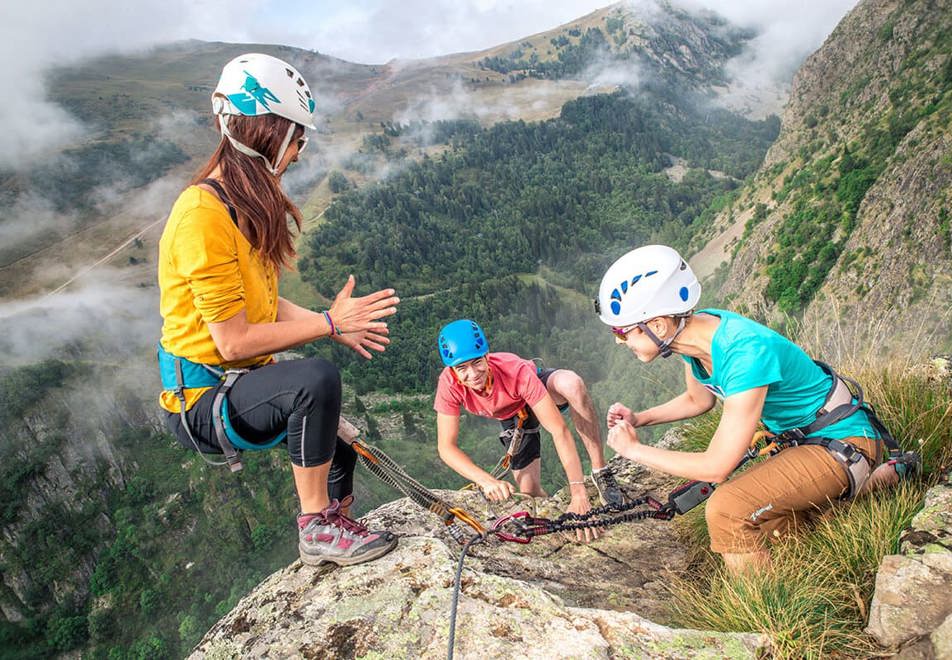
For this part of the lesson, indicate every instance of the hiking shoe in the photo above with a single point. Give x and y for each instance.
(907, 465)
(608, 490)
(330, 536)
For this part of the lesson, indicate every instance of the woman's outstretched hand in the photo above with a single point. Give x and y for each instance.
(363, 314)
(359, 342)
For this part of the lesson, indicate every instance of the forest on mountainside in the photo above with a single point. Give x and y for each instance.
(552, 202)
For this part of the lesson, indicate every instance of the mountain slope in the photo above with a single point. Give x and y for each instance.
(851, 208)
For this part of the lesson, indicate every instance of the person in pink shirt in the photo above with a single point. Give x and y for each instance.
(505, 387)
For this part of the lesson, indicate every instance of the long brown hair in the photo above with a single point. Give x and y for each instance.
(263, 207)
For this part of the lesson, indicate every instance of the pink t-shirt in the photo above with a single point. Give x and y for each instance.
(515, 384)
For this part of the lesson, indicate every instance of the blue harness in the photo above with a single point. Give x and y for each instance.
(179, 374)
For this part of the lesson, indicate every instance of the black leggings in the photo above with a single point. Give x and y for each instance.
(302, 396)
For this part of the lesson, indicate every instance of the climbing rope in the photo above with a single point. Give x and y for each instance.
(456, 589)
(520, 527)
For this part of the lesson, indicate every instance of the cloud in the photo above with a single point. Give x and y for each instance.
(378, 32)
(787, 31)
(100, 316)
(39, 35)
(28, 216)
(34, 37)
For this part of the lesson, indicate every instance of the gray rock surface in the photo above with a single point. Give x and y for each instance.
(912, 603)
(552, 598)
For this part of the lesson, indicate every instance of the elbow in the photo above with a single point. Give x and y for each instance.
(705, 405)
(444, 453)
(716, 472)
(230, 351)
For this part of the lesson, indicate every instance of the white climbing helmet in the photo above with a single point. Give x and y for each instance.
(256, 84)
(647, 282)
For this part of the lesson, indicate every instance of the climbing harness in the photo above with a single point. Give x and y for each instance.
(179, 374)
(514, 438)
(845, 398)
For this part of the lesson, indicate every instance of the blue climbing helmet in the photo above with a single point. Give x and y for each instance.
(461, 341)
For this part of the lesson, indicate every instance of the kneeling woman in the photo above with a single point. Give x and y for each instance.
(648, 297)
(226, 240)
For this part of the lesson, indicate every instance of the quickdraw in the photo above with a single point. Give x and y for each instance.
(388, 471)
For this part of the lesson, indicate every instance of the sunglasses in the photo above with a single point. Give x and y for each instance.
(623, 332)
(301, 144)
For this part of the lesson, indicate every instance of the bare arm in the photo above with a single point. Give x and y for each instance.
(551, 420)
(288, 311)
(237, 339)
(732, 438)
(694, 401)
(447, 438)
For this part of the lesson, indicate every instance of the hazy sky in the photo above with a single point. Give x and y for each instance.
(35, 36)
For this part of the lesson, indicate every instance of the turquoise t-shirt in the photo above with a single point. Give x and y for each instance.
(746, 354)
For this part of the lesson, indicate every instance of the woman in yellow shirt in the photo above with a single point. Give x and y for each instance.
(225, 243)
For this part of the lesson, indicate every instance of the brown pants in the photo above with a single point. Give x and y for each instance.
(768, 500)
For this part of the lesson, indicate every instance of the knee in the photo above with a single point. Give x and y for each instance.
(716, 508)
(320, 382)
(729, 525)
(722, 511)
(572, 387)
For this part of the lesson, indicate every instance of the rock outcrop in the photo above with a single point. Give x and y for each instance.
(552, 598)
(912, 604)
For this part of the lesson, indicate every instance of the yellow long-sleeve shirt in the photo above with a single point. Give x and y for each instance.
(208, 272)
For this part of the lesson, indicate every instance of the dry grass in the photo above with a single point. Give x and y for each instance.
(813, 602)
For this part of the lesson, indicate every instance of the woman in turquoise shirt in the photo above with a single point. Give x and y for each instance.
(648, 298)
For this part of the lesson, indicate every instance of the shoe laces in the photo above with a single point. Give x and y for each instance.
(607, 477)
(332, 516)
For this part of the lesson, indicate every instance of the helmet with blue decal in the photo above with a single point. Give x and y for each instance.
(256, 84)
(461, 341)
(645, 283)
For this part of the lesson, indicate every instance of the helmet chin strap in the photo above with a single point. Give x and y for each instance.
(664, 347)
(248, 151)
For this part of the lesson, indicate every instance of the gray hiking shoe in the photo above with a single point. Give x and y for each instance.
(608, 490)
(330, 536)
